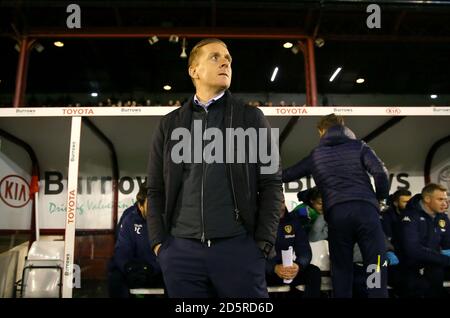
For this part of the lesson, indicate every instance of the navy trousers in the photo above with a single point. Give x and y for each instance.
(359, 281)
(232, 267)
(356, 222)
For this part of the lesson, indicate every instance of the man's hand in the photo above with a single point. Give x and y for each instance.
(383, 205)
(156, 249)
(288, 272)
(392, 258)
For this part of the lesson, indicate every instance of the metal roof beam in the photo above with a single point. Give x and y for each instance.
(224, 33)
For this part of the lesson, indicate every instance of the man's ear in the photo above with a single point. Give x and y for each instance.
(427, 199)
(193, 72)
(321, 132)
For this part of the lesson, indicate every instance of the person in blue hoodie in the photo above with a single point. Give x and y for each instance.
(340, 166)
(291, 233)
(133, 264)
(425, 243)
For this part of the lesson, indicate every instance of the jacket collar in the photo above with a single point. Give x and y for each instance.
(212, 100)
(416, 203)
(337, 135)
(231, 112)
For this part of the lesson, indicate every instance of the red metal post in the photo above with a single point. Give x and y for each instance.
(311, 71)
(21, 75)
(304, 50)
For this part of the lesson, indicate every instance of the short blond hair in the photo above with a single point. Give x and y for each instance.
(195, 52)
(329, 121)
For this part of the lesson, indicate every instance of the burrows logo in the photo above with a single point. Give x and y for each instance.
(343, 110)
(288, 229)
(14, 191)
(442, 223)
(393, 111)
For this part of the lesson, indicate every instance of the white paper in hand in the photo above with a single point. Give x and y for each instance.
(287, 257)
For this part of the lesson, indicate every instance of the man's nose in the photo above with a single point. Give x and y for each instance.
(225, 63)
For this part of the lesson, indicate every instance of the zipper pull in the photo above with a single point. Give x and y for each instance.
(236, 213)
(209, 243)
(203, 238)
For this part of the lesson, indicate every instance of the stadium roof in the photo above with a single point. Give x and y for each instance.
(407, 55)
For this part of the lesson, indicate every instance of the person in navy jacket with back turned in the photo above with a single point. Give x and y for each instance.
(340, 167)
(425, 243)
(291, 233)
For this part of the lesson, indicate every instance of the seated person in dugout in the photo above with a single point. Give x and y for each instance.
(311, 214)
(291, 233)
(425, 243)
(391, 218)
(133, 264)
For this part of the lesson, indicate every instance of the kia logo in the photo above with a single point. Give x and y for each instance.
(14, 191)
(393, 111)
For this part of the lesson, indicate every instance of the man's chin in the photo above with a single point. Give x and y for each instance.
(222, 87)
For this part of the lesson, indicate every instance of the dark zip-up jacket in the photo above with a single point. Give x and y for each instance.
(340, 167)
(257, 197)
(391, 222)
(207, 183)
(422, 237)
(290, 233)
(132, 243)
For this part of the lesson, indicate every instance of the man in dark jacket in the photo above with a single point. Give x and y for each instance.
(425, 243)
(213, 222)
(340, 167)
(392, 216)
(292, 234)
(391, 222)
(133, 264)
